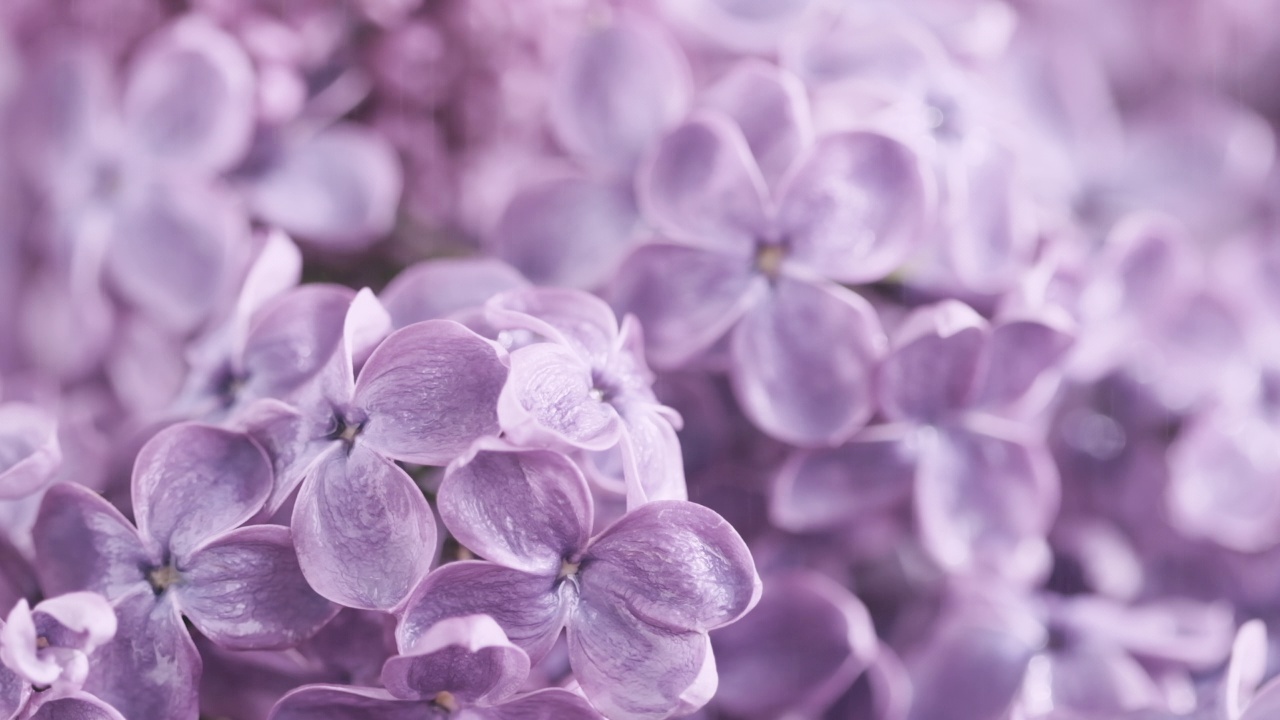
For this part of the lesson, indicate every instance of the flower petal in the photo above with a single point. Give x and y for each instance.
(151, 670)
(76, 706)
(429, 390)
(620, 87)
(651, 460)
(856, 208)
(469, 657)
(822, 489)
(530, 608)
(29, 449)
(628, 668)
(292, 338)
(675, 565)
(340, 702)
(771, 108)
(337, 189)
(193, 482)
(440, 288)
(245, 591)
(702, 186)
(932, 367)
(578, 319)
(803, 360)
(686, 298)
(364, 533)
(1019, 356)
(549, 704)
(14, 693)
(293, 441)
(83, 543)
(189, 100)
(527, 510)
(549, 399)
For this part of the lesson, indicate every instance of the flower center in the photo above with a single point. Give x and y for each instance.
(769, 258)
(344, 429)
(42, 642)
(162, 578)
(445, 701)
(568, 568)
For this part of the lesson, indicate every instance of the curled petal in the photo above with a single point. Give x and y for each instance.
(469, 657)
(551, 398)
(530, 608)
(83, 543)
(245, 591)
(364, 533)
(151, 670)
(620, 87)
(338, 188)
(803, 361)
(702, 186)
(444, 287)
(189, 100)
(652, 464)
(29, 449)
(686, 298)
(69, 627)
(192, 482)
(528, 510)
(855, 209)
(429, 390)
(578, 319)
(1246, 668)
(932, 367)
(628, 668)
(771, 108)
(675, 565)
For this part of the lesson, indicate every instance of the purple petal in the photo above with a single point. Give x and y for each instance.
(628, 668)
(746, 26)
(189, 100)
(441, 288)
(83, 543)
(801, 648)
(567, 231)
(291, 338)
(1093, 678)
(29, 449)
(620, 87)
(985, 496)
(1247, 667)
(551, 397)
(70, 626)
(173, 249)
(364, 533)
(1019, 355)
(856, 208)
(468, 657)
(932, 367)
(193, 482)
(78, 706)
(822, 489)
(771, 108)
(1265, 704)
(293, 441)
(245, 591)
(802, 362)
(15, 690)
(338, 188)
(337, 702)
(527, 510)
(151, 670)
(578, 319)
(652, 464)
(549, 704)
(429, 390)
(530, 608)
(686, 298)
(676, 565)
(276, 270)
(702, 186)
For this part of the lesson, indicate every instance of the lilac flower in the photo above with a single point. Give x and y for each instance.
(29, 450)
(637, 599)
(49, 645)
(193, 485)
(462, 667)
(587, 389)
(754, 247)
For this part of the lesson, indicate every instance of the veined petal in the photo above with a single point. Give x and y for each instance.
(245, 591)
(702, 186)
(429, 390)
(529, 510)
(340, 702)
(686, 298)
(29, 449)
(530, 608)
(770, 106)
(293, 441)
(932, 369)
(151, 670)
(674, 565)
(292, 337)
(574, 318)
(549, 704)
(364, 533)
(549, 398)
(193, 482)
(856, 208)
(15, 691)
(628, 668)
(803, 361)
(468, 657)
(652, 464)
(76, 706)
(83, 543)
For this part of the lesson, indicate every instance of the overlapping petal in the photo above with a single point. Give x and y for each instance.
(932, 368)
(29, 449)
(441, 288)
(86, 544)
(468, 657)
(551, 397)
(340, 702)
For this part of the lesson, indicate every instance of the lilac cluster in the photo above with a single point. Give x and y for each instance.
(639, 359)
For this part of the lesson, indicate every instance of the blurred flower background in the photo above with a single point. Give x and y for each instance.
(798, 359)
